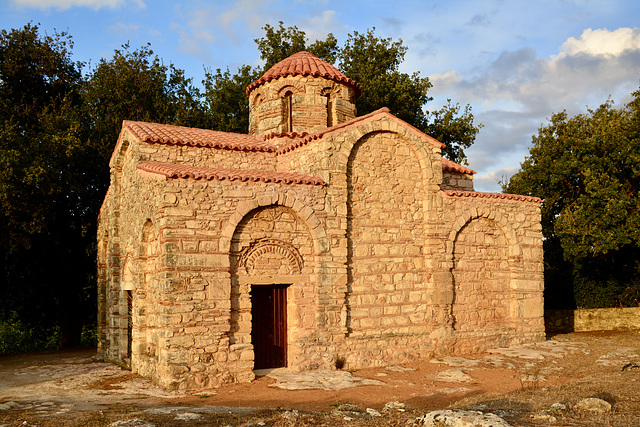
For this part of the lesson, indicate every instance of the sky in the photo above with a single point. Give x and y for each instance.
(515, 62)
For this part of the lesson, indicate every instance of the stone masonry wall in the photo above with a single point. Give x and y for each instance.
(309, 105)
(381, 265)
(191, 345)
(273, 245)
(596, 319)
(496, 260)
(207, 157)
(385, 238)
(404, 167)
(456, 181)
(481, 276)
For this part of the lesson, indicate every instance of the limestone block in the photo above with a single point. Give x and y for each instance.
(196, 260)
(178, 212)
(532, 307)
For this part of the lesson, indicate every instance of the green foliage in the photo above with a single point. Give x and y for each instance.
(57, 132)
(38, 96)
(373, 62)
(15, 337)
(135, 85)
(456, 131)
(278, 44)
(226, 99)
(89, 336)
(587, 168)
(44, 222)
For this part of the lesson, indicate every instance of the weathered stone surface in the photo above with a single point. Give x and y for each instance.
(323, 380)
(593, 404)
(544, 418)
(452, 376)
(456, 418)
(394, 407)
(132, 423)
(598, 319)
(372, 412)
(188, 416)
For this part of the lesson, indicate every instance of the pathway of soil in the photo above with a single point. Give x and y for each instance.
(519, 384)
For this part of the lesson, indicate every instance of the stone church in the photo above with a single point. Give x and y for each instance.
(320, 239)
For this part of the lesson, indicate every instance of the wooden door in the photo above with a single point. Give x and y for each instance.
(269, 325)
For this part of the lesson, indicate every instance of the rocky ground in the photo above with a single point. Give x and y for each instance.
(578, 379)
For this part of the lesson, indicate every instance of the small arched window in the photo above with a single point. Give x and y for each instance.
(329, 109)
(288, 116)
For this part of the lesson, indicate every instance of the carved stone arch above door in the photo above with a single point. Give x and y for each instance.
(255, 260)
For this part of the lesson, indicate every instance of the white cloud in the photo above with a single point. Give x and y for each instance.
(67, 4)
(205, 29)
(602, 42)
(492, 180)
(517, 91)
(319, 25)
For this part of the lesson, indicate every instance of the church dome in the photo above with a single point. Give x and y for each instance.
(305, 64)
(299, 95)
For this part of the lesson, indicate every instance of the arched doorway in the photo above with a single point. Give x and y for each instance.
(270, 284)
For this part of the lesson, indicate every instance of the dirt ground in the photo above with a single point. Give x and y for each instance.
(520, 384)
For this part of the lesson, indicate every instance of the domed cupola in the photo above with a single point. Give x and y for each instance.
(301, 94)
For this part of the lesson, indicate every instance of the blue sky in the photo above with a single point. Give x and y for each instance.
(514, 61)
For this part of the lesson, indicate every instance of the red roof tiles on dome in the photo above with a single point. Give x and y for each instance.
(172, 170)
(304, 64)
(517, 197)
(179, 135)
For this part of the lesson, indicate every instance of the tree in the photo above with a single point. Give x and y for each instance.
(278, 44)
(42, 220)
(135, 85)
(587, 170)
(58, 132)
(226, 99)
(456, 131)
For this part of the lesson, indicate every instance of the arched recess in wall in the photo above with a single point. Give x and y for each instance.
(305, 213)
(103, 284)
(120, 154)
(127, 289)
(272, 246)
(286, 97)
(149, 259)
(386, 269)
(117, 160)
(329, 96)
(482, 262)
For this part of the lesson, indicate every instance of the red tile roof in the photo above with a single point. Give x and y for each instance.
(449, 166)
(178, 135)
(517, 197)
(304, 64)
(172, 170)
(291, 135)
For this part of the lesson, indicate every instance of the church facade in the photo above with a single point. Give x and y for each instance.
(319, 239)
